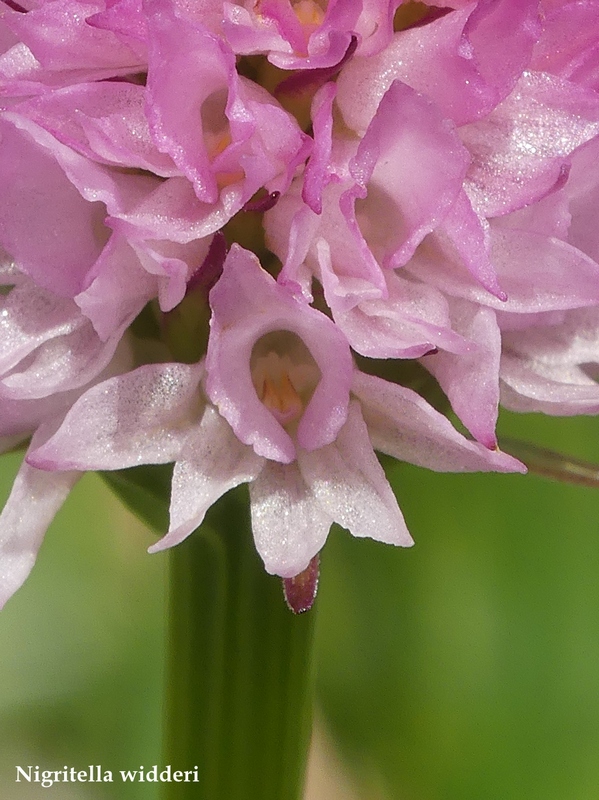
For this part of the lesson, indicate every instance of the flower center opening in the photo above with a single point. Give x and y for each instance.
(284, 375)
(217, 134)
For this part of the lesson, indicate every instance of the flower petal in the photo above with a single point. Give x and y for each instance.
(35, 498)
(289, 524)
(59, 238)
(142, 417)
(471, 380)
(349, 484)
(247, 303)
(403, 425)
(212, 461)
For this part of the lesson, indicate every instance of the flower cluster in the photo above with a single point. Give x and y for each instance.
(235, 235)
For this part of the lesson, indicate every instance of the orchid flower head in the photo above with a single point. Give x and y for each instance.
(260, 239)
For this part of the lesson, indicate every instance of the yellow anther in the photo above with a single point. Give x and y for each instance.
(280, 396)
(224, 179)
(308, 12)
(219, 144)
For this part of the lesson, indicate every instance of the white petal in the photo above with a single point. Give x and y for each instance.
(35, 498)
(142, 417)
(289, 525)
(212, 462)
(349, 484)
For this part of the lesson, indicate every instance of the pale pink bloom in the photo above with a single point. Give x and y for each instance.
(439, 204)
(473, 260)
(282, 408)
(51, 356)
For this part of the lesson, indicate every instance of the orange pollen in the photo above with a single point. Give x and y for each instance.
(308, 12)
(219, 144)
(281, 398)
(224, 179)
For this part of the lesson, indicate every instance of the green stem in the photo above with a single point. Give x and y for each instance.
(238, 704)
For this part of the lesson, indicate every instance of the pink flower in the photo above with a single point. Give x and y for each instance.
(330, 185)
(282, 408)
(52, 355)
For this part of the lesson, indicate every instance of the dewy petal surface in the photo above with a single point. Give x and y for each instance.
(348, 483)
(142, 417)
(427, 193)
(403, 425)
(289, 525)
(211, 462)
(520, 149)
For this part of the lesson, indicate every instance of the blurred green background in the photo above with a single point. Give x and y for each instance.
(466, 668)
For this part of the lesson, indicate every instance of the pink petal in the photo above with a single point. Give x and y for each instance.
(172, 264)
(218, 127)
(61, 235)
(410, 166)
(174, 106)
(543, 368)
(471, 380)
(35, 498)
(30, 317)
(119, 289)
(520, 149)
(502, 34)
(290, 526)
(348, 482)
(60, 39)
(104, 121)
(317, 171)
(411, 321)
(212, 461)
(403, 425)
(435, 59)
(581, 192)
(142, 417)
(568, 45)
(538, 273)
(62, 363)
(247, 303)
(468, 235)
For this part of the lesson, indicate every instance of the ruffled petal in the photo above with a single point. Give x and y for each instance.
(411, 321)
(247, 304)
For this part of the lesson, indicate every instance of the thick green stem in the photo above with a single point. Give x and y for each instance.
(238, 704)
